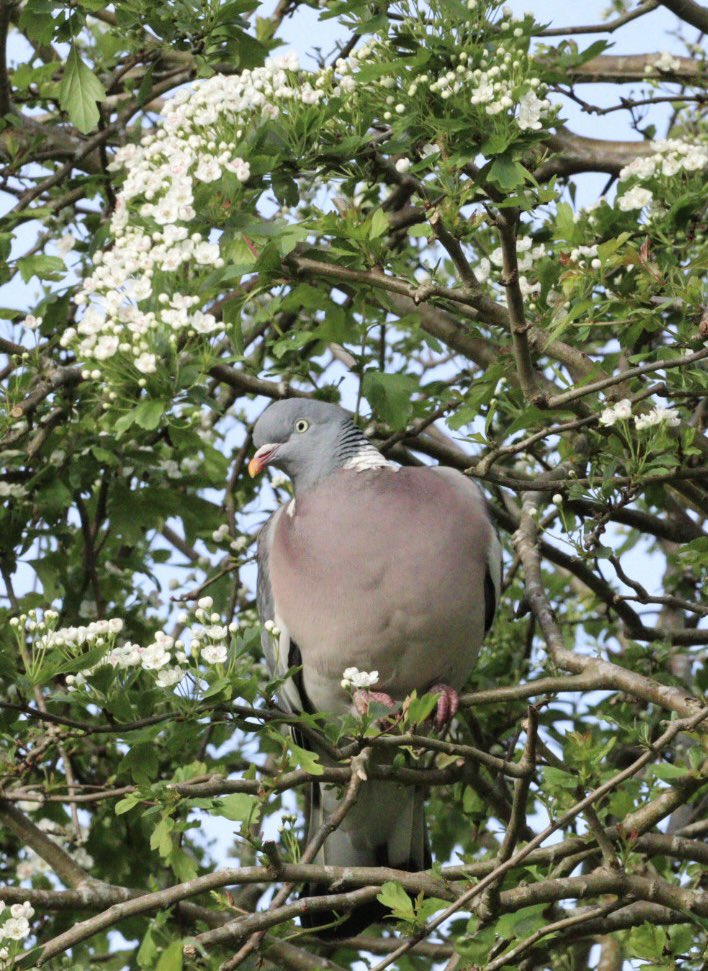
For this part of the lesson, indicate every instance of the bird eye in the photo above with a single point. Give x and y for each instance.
(301, 425)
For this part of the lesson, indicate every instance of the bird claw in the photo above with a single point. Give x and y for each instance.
(448, 703)
(363, 698)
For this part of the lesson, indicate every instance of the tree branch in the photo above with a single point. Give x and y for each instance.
(693, 13)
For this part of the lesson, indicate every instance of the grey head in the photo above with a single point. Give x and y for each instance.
(307, 439)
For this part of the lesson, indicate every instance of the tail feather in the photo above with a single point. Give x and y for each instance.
(385, 827)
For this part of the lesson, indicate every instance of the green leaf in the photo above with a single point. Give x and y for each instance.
(379, 224)
(646, 942)
(394, 897)
(301, 758)
(148, 414)
(37, 21)
(141, 762)
(522, 922)
(506, 173)
(171, 958)
(161, 837)
(390, 396)
(239, 807)
(125, 804)
(477, 946)
(418, 709)
(668, 771)
(557, 777)
(147, 952)
(285, 188)
(496, 143)
(566, 227)
(79, 92)
(183, 865)
(42, 266)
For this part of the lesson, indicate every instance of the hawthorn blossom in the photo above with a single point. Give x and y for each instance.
(618, 412)
(15, 929)
(530, 110)
(665, 62)
(214, 653)
(657, 416)
(65, 244)
(168, 677)
(636, 198)
(354, 679)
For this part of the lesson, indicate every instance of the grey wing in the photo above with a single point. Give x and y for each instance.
(281, 653)
(493, 552)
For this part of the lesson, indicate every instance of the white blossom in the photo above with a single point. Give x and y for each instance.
(353, 679)
(65, 244)
(214, 653)
(146, 363)
(25, 910)
(403, 165)
(657, 416)
(666, 62)
(12, 490)
(530, 110)
(15, 929)
(618, 412)
(155, 657)
(168, 677)
(635, 198)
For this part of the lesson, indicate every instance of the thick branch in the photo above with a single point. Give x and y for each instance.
(624, 68)
(576, 153)
(693, 13)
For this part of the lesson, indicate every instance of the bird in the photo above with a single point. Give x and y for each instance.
(389, 569)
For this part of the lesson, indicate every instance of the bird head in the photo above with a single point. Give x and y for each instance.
(303, 438)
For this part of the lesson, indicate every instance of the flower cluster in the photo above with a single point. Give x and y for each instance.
(670, 157)
(527, 255)
(664, 62)
(14, 929)
(12, 490)
(192, 147)
(634, 198)
(500, 83)
(657, 416)
(353, 679)
(161, 240)
(170, 660)
(622, 411)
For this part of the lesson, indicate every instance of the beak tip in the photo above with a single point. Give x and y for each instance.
(254, 467)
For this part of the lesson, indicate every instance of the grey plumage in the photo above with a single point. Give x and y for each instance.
(376, 567)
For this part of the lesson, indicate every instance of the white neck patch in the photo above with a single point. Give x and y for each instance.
(368, 458)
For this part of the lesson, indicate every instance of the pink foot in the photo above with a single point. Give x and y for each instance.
(363, 698)
(448, 703)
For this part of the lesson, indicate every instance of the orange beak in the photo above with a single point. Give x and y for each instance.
(261, 459)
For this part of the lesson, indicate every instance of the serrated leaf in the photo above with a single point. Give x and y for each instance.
(148, 414)
(506, 173)
(390, 395)
(301, 758)
(379, 224)
(79, 92)
(394, 897)
(239, 807)
(161, 837)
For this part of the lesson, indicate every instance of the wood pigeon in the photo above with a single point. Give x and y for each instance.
(374, 567)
